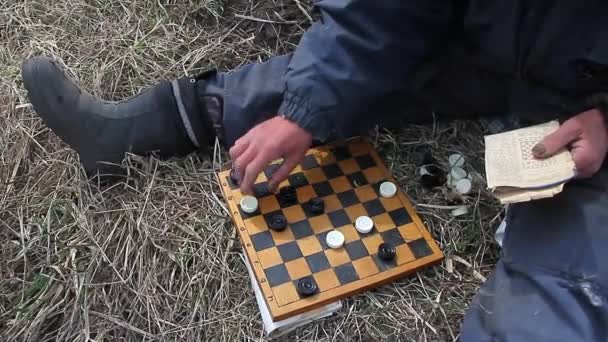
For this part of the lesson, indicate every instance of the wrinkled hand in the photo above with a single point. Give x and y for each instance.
(585, 135)
(272, 139)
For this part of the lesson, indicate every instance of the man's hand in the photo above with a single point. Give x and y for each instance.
(272, 139)
(585, 135)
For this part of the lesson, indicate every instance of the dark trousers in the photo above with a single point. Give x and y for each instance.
(551, 282)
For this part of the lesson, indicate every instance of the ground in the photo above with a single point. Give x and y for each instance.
(156, 258)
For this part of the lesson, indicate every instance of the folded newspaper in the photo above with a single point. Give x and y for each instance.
(514, 175)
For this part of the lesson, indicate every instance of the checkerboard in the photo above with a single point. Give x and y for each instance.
(347, 177)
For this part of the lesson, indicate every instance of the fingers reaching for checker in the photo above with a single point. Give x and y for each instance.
(272, 139)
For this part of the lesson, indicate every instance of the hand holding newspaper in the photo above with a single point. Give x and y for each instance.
(512, 172)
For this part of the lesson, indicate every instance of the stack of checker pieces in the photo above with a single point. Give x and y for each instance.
(347, 177)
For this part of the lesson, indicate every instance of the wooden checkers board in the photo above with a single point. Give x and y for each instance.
(347, 178)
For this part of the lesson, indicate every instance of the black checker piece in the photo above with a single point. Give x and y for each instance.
(357, 179)
(287, 196)
(232, 184)
(341, 153)
(420, 248)
(314, 207)
(289, 251)
(306, 286)
(318, 262)
(277, 222)
(332, 171)
(348, 198)
(393, 236)
(387, 251)
(365, 162)
(233, 177)
(323, 189)
(400, 216)
(301, 229)
(297, 180)
(277, 275)
(268, 216)
(339, 218)
(346, 273)
(262, 240)
(309, 162)
(261, 190)
(374, 207)
(356, 250)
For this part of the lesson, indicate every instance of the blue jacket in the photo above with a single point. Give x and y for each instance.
(361, 51)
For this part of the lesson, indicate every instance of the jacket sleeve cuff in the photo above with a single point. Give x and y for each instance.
(300, 111)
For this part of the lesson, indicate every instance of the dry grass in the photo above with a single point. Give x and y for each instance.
(156, 258)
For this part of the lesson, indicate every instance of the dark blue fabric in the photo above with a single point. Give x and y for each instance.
(442, 87)
(551, 53)
(250, 95)
(552, 282)
(357, 52)
(362, 59)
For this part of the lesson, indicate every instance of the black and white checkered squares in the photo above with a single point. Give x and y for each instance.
(347, 181)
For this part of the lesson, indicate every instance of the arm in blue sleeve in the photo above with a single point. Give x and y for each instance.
(357, 52)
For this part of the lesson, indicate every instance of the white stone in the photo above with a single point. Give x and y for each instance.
(456, 160)
(334, 239)
(364, 224)
(388, 189)
(463, 186)
(458, 173)
(249, 204)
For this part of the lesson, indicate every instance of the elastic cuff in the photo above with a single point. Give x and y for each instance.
(194, 116)
(298, 110)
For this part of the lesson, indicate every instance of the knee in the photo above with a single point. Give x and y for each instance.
(523, 305)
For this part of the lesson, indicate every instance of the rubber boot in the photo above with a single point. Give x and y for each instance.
(166, 119)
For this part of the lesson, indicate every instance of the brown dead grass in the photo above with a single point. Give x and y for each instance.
(156, 258)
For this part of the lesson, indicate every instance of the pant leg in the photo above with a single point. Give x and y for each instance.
(552, 281)
(250, 95)
(444, 87)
